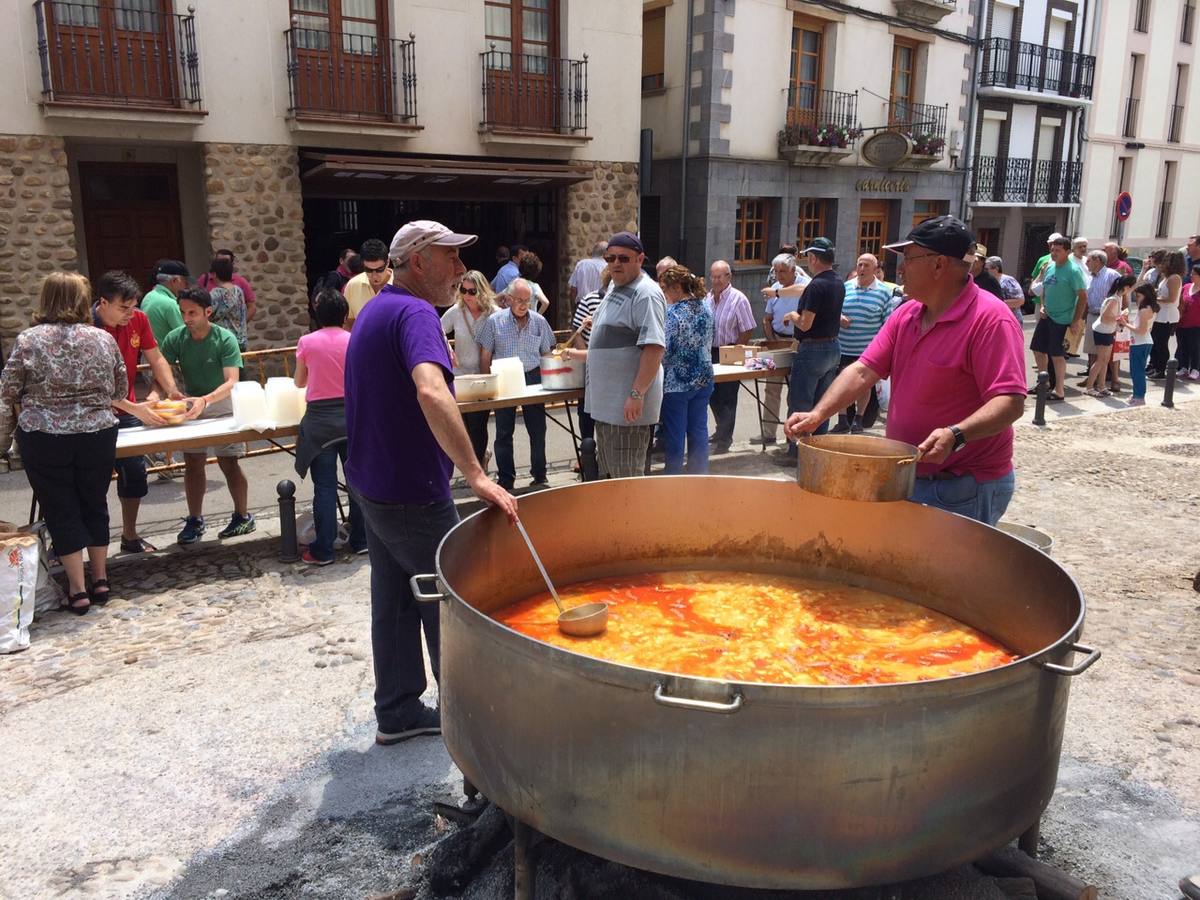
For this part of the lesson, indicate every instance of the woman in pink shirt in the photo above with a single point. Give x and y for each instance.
(1187, 334)
(320, 369)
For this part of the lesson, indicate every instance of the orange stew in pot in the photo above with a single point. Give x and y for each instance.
(742, 626)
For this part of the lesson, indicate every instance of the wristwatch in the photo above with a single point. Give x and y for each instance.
(635, 394)
(960, 439)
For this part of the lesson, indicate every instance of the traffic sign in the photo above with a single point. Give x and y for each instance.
(1124, 205)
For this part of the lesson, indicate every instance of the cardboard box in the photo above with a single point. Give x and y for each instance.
(735, 354)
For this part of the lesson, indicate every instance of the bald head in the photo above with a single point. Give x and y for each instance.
(720, 276)
(867, 269)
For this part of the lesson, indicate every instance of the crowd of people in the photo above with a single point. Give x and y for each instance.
(394, 323)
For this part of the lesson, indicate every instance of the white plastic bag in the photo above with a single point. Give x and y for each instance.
(883, 389)
(49, 595)
(19, 554)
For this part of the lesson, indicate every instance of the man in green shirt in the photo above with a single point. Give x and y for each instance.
(1064, 300)
(160, 304)
(211, 364)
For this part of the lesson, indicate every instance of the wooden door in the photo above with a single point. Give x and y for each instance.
(904, 83)
(872, 227)
(804, 93)
(342, 58)
(525, 79)
(130, 217)
(119, 50)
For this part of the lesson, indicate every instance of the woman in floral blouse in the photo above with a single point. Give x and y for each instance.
(64, 374)
(687, 370)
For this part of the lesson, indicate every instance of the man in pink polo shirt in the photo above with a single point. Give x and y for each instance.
(957, 365)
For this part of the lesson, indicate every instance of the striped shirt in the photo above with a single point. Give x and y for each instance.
(867, 309)
(584, 308)
(732, 315)
(504, 338)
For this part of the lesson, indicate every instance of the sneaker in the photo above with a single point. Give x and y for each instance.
(842, 427)
(1194, 374)
(238, 525)
(307, 557)
(136, 545)
(428, 721)
(539, 483)
(359, 551)
(1137, 401)
(784, 459)
(720, 448)
(856, 427)
(758, 440)
(193, 527)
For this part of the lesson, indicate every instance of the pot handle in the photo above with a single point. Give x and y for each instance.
(421, 596)
(1080, 667)
(661, 696)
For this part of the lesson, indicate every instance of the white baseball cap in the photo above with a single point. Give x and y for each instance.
(416, 236)
(1055, 237)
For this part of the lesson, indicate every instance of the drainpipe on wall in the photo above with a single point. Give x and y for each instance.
(972, 99)
(1081, 120)
(687, 121)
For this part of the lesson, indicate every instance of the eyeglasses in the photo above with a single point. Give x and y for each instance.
(908, 259)
(470, 292)
(613, 258)
(378, 271)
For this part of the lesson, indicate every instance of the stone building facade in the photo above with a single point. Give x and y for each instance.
(286, 137)
(37, 230)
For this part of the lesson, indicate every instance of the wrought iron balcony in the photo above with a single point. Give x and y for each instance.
(1031, 67)
(999, 179)
(924, 124)
(338, 75)
(540, 94)
(820, 118)
(117, 56)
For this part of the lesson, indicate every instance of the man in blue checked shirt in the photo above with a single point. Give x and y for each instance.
(518, 331)
(866, 307)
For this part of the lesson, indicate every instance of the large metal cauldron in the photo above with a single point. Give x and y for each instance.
(752, 784)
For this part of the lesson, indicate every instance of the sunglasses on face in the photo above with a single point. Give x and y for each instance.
(469, 291)
(378, 271)
(614, 258)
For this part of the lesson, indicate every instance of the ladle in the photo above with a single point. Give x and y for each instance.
(586, 620)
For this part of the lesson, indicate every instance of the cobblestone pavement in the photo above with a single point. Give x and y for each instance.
(210, 730)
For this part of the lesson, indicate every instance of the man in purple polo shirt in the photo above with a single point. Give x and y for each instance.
(405, 436)
(957, 366)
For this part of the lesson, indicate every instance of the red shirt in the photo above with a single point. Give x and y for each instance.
(131, 340)
(1189, 308)
(1123, 267)
(973, 353)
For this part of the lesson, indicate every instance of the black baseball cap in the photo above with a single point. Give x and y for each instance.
(945, 235)
(172, 267)
(628, 240)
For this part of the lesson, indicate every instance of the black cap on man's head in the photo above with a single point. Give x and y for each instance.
(942, 234)
(172, 267)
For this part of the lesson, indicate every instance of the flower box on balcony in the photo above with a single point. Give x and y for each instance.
(811, 155)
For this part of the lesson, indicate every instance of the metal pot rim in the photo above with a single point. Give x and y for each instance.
(627, 675)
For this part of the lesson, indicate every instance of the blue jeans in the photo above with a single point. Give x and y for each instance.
(534, 415)
(984, 501)
(813, 371)
(323, 470)
(1138, 354)
(403, 540)
(685, 415)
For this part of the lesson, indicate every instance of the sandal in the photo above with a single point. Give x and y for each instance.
(137, 545)
(99, 598)
(73, 599)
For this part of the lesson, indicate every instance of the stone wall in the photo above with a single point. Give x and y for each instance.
(37, 229)
(590, 211)
(252, 192)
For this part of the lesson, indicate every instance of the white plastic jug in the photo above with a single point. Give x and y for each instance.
(283, 401)
(249, 403)
(512, 376)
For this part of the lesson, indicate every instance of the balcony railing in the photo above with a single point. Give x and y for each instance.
(820, 118)
(1024, 181)
(117, 56)
(525, 92)
(1164, 220)
(1131, 114)
(1175, 128)
(997, 179)
(924, 124)
(1056, 182)
(337, 75)
(1032, 67)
